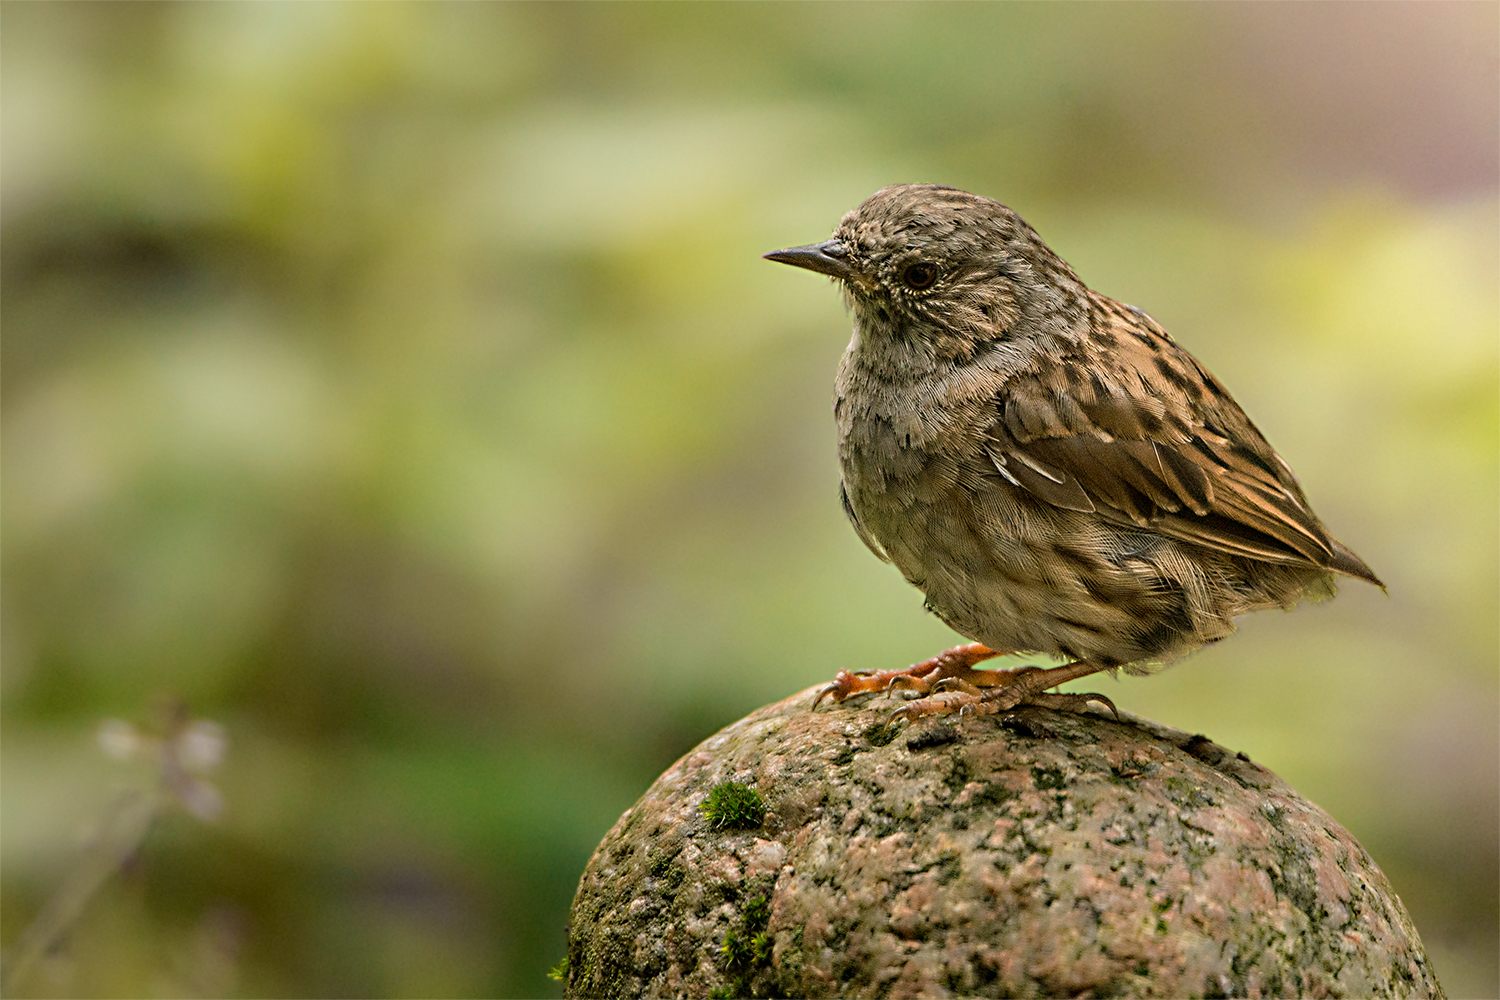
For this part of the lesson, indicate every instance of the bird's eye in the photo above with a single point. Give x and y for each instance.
(919, 276)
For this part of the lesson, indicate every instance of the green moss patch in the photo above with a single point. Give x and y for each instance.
(732, 806)
(747, 948)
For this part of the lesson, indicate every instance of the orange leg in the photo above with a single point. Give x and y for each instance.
(955, 665)
(1011, 689)
(948, 683)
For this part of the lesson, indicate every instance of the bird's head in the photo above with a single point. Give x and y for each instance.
(922, 260)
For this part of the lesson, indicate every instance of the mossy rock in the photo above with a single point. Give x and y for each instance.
(1032, 855)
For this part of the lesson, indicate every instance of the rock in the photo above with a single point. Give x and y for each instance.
(1037, 854)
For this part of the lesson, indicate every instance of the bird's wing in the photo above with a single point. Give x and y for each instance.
(1198, 471)
(859, 526)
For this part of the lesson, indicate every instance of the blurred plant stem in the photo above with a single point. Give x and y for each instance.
(182, 752)
(120, 834)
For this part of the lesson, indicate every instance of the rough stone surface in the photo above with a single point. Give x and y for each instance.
(1031, 855)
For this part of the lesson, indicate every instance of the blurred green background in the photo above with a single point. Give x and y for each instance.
(400, 386)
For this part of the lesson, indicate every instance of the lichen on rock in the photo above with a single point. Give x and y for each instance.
(1031, 855)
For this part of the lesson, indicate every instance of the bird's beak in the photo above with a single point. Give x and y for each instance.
(830, 257)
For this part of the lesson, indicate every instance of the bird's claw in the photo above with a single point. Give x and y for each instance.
(1071, 702)
(950, 668)
(943, 703)
(846, 684)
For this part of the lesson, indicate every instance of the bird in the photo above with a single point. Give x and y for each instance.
(1044, 463)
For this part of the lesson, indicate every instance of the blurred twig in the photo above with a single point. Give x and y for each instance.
(183, 752)
(121, 833)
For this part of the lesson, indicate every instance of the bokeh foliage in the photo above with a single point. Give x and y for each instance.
(398, 385)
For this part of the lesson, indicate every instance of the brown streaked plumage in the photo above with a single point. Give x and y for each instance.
(1043, 462)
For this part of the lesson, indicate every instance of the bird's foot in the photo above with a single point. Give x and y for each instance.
(1009, 690)
(951, 666)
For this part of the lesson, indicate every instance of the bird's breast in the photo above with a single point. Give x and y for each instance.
(903, 454)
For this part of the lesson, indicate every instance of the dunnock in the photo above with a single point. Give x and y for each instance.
(1043, 462)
